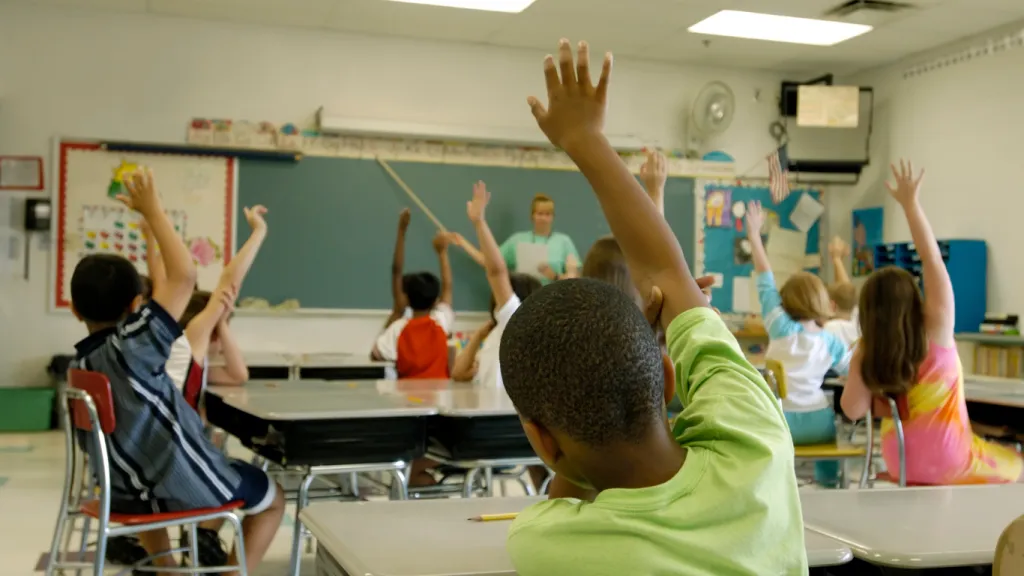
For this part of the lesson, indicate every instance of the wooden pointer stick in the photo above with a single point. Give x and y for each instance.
(412, 195)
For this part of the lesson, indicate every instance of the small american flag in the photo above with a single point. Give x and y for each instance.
(778, 173)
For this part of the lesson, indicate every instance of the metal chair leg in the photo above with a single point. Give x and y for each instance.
(468, 481)
(301, 500)
(353, 479)
(489, 480)
(193, 545)
(236, 525)
(401, 479)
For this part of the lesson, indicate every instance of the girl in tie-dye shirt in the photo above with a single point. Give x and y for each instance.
(907, 352)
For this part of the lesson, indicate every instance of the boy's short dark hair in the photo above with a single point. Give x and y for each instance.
(198, 301)
(579, 357)
(421, 289)
(103, 287)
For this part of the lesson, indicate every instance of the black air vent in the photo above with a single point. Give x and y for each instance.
(854, 6)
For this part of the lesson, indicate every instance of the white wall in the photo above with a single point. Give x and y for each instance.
(963, 124)
(71, 73)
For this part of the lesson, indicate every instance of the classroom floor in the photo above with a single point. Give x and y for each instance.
(31, 477)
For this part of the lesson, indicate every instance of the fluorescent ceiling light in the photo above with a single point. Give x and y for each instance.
(778, 28)
(489, 5)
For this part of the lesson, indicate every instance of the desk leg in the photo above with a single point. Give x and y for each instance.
(489, 479)
(353, 479)
(301, 500)
(401, 480)
(468, 481)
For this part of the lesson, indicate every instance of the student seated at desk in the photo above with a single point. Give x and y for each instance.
(794, 317)
(163, 461)
(714, 495)
(415, 337)
(907, 351)
(478, 360)
(207, 318)
(844, 297)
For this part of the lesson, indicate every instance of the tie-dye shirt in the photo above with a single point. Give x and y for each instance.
(941, 448)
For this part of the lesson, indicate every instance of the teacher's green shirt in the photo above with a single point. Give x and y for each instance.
(559, 245)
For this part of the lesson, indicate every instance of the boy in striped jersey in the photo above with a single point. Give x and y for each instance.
(160, 459)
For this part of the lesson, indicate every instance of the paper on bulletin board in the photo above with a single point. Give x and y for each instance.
(786, 252)
(744, 295)
(806, 212)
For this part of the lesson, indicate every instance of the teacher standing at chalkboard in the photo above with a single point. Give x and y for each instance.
(539, 252)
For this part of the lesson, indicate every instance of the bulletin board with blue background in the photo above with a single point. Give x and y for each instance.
(725, 232)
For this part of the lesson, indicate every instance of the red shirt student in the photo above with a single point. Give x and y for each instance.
(415, 337)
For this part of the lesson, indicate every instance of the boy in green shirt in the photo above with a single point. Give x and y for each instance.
(715, 493)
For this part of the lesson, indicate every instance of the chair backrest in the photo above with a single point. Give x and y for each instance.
(777, 374)
(1009, 558)
(97, 386)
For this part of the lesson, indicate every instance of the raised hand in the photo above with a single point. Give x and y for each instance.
(254, 216)
(403, 219)
(142, 196)
(477, 207)
(755, 218)
(907, 186)
(654, 171)
(838, 248)
(576, 108)
(441, 241)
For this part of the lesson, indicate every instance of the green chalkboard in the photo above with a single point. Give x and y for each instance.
(332, 224)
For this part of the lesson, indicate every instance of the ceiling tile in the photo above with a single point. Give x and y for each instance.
(115, 5)
(306, 13)
(606, 26)
(415, 20)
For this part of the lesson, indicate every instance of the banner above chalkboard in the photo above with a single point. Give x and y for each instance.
(267, 136)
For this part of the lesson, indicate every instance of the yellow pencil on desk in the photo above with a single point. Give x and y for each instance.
(494, 517)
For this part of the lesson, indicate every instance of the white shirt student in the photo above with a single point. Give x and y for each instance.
(478, 361)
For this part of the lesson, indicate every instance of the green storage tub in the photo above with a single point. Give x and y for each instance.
(26, 409)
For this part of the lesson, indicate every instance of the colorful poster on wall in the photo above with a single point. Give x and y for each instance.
(725, 248)
(197, 192)
(867, 233)
(717, 210)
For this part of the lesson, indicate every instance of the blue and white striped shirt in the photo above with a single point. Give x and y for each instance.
(160, 461)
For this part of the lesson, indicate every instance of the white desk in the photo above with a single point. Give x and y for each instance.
(290, 403)
(916, 528)
(435, 537)
(340, 366)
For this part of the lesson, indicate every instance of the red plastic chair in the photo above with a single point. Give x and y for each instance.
(90, 409)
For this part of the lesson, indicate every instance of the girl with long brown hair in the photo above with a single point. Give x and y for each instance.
(907, 352)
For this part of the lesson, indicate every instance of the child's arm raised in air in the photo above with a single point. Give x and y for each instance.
(242, 262)
(838, 250)
(174, 293)
(755, 221)
(939, 305)
(494, 263)
(654, 174)
(234, 371)
(573, 121)
(200, 329)
(154, 261)
(398, 301)
(777, 323)
(441, 242)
